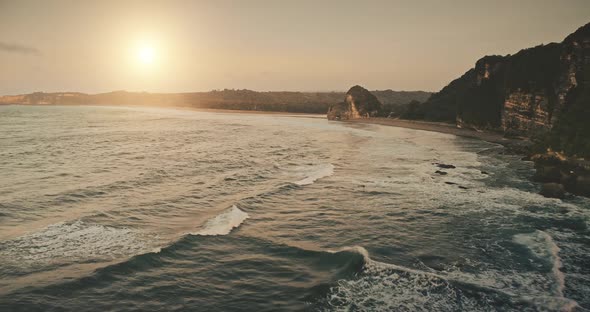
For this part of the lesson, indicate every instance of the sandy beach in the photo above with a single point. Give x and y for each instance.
(493, 137)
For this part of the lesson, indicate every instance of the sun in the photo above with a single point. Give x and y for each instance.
(146, 54)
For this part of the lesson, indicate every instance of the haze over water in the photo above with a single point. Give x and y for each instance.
(105, 208)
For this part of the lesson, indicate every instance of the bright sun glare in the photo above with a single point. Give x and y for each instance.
(146, 54)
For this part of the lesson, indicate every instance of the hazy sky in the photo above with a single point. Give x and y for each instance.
(99, 46)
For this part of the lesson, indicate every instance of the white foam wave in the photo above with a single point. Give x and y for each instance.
(316, 173)
(389, 287)
(223, 223)
(543, 247)
(76, 242)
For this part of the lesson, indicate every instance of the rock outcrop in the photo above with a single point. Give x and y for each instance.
(358, 103)
(555, 168)
(553, 190)
(541, 92)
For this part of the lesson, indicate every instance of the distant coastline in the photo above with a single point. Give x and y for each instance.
(228, 99)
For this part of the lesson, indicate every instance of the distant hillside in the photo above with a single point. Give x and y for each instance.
(541, 92)
(395, 103)
(296, 102)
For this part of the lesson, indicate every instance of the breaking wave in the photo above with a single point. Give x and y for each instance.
(223, 223)
(388, 287)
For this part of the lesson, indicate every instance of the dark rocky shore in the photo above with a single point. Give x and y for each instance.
(560, 174)
(557, 173)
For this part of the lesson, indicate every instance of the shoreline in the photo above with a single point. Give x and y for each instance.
(189, 108)
(549, 169)
(514, 145)
(556, 174)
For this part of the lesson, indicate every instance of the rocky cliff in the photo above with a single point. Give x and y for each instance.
(358, 103)
(541, 92)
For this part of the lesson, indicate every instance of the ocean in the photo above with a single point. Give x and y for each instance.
(148, 209)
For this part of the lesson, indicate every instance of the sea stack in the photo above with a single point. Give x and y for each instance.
(358, 103)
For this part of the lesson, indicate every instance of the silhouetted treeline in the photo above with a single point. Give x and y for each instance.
(294, 102)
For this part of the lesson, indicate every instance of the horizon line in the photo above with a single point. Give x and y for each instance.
(212, 90)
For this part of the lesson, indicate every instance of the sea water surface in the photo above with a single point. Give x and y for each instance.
(144, 209)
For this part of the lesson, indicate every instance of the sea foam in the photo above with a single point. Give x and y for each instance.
(223, 223)
(70, 242)
(317, 172)
(543, 247)
(390, 287)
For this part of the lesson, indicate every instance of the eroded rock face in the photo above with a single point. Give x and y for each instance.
(526, 112)
(514, 93)
(538, 92)
(571, 126)
(358, 103)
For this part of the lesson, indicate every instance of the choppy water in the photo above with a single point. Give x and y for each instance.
(121, 209)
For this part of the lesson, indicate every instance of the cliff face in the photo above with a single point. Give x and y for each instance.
(572, 122)
(530, 93)
(358, 103)
(539, 92)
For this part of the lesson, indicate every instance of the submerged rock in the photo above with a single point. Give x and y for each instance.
(358, 103)
(555, 168)
(569, 179)
(547, 174)
(445, 166)
(553, 190)
(582, 186)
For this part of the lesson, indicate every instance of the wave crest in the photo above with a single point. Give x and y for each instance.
(223, 223)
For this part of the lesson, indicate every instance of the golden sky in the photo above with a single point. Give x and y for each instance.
(176, 46)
